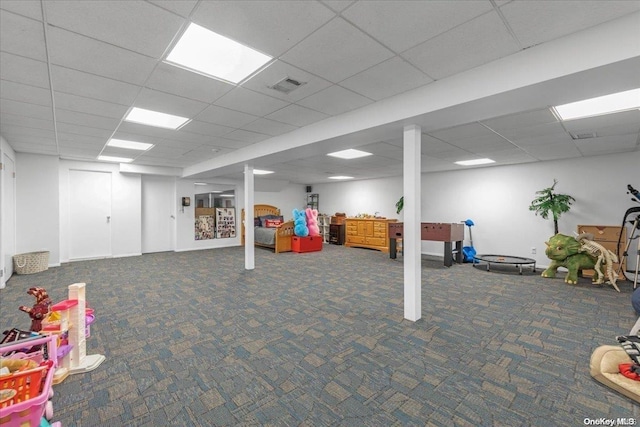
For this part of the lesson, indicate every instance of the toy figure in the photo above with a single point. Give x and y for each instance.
(39, 310)
(300, 223)
(565, 251)
(312, 222)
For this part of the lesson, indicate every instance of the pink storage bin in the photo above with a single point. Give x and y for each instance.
(28, 406)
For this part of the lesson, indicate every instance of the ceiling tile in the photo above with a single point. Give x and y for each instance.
(520, 120)
(135, 25)
(269, 127)
(97, 57)
(556, 151)
(337, 51)
(246, 136)
(544, 140)
(205, 128)
(91, 86)
(516, 134)
(81, 104)
(75, 140)
(469, 130)
(334, 100)
(247, 101)
(483, 143)
(338, 5)
(70, 128)
(79, 153)
(24, 70)
(18, 108)
(167, 103)
(386, 79)
(74, 117)
(271, 27)
(607, 145)
(10, 131)
(24, 93)
(225, 116)
(36, 147)
(536, 22)
(31, 9)
(178, 81)
(297, 115)
(473, 43)
(26, 37)
(403, 24)
(24, 121)
(226, 143)
(623, 119)
(181, 7)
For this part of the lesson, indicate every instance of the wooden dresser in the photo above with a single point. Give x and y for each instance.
(607, 236)
(369, 233)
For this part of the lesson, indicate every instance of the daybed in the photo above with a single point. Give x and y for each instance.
(604, 367)
(278, 238)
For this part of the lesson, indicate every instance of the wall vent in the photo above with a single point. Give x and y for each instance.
(287, 85)
(583, 135)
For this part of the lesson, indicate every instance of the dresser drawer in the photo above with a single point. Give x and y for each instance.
(355, 239)
(376, 241)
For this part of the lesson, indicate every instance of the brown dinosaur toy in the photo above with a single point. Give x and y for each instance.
(39, 310)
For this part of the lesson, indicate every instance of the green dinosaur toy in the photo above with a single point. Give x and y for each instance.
(565, 251)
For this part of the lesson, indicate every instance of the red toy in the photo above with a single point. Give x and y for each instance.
(39, 310)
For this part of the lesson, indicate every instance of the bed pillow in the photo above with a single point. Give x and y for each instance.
(272, 223)
(266, 217)
(257, 222)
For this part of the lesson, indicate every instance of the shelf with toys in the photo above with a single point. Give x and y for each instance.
(69, 320)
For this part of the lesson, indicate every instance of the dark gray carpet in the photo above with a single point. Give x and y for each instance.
(318, 339)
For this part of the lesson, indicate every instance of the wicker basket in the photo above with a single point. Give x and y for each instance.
(32, 262)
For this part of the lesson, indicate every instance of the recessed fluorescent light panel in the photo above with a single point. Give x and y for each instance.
(155, 118)
(205, 52)
(340, 177)
(616, 102)
(261, 172)
(474, 162)
(349, 154)
(115, 159)
(131, 145)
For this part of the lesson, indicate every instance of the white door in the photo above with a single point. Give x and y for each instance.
(89, 214)
(158, 214)
(8, 218)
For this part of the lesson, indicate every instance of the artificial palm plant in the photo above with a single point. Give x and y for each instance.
(550, 202)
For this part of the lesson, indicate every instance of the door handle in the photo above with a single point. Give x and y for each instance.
(173, 217)
(108, 218)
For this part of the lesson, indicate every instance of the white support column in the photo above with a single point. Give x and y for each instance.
(411, 233)
(249, 248)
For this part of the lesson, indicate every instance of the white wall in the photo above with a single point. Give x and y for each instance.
(126, 214)
(287, 198)
(7, 216)
(185, 217)
(37, 205)
(497, 199)
(290, 197)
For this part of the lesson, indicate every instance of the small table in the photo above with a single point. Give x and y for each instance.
(505, 259)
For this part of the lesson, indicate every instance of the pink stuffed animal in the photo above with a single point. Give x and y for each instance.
(312, 222)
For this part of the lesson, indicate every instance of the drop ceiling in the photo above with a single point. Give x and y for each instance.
(70, 71)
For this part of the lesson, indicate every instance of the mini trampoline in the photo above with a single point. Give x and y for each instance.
(504, 259)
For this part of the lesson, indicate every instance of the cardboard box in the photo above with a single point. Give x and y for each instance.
(306, 244)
